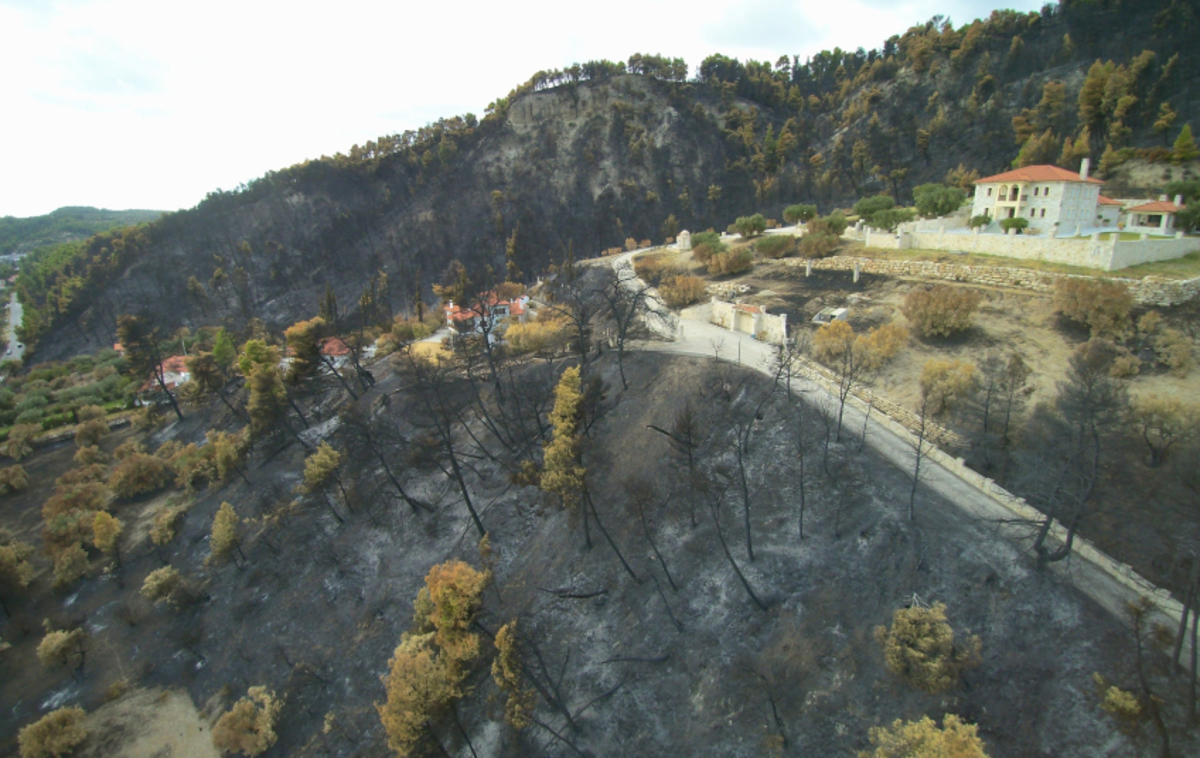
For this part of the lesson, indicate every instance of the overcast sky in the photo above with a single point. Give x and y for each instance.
(153, 103)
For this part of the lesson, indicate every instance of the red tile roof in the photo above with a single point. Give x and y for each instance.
(1102, 200)
(334, 348)
(1158, 206)
(176, 364)
(489, 300)
(1038, 174)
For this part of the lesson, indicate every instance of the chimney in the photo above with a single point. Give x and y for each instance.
(1178, 200)
(1083, 168)
(1162, 198)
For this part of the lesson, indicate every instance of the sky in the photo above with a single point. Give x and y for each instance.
(149, 104)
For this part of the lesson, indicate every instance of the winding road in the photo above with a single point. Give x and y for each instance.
(699, 338)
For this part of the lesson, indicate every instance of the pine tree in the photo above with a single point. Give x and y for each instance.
(1185, 146)
(512, 272)
(224, 533)
(562, 475)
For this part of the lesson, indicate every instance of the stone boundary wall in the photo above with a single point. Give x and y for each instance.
(901, 421)
(1106, 255)
(934, 432)
(766, 327)
(1150, 290)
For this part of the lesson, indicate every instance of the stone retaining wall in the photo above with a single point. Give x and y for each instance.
(1091, 252)
(902, 422)
(1150, 290)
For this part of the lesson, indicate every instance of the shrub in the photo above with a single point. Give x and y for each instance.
(90, 455)
(139, 473)
(834, 224)
(53, 735)
(869, 206)
(162, 585)
(799, 214)
(775, 245)
(882, 344)
(751, 226)
(1018, 223)
(12, 479)
(70, 564)
(819, 245)
(33, 417)
(703, 252)
(933, 200)
(1174, 350)
(920, 648)
(249, 727)
(57, 648)
(682, 291)
(888, 220)
(1101, 306)
(536, 337)
(731, 262)
(650, 269)
(979, 221)
(165, 525)
(710, 238)
(940, 311)
(923, 739)
(126, 449)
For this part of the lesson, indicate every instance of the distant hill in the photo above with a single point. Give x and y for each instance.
(579, 160)
(21, 235)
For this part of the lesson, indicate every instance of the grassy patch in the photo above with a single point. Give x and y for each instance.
(1186, 267)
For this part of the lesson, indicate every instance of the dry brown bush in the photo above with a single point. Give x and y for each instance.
(1101, 306)
(249, 727)
(12, 479)
(731, 262)
(681, 291)
(139, 473)
(89, 432)
(56, 734)
(819, 245)
(940, 311)
(923, 739)
(70, 563)
(920, 648)
(1174, 350)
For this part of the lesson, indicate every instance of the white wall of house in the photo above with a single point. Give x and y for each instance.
(1042, 204)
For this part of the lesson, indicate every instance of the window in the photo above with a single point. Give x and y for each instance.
(1036, 190)
(989, 192)
(1032, 213)
(1043, 212)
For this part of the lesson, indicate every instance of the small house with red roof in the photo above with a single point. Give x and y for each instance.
(1048, 197)
(485, 314)
(175, 372)
(1155, 217)
(335, 351)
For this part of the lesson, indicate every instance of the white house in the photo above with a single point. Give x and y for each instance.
(487, 312)
(1157, 217)
(1048, 197)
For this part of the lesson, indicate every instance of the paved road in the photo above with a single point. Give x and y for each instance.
(15, 314)
(699, 338)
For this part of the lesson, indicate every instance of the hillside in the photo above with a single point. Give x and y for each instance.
(582, 159)
(23, 235)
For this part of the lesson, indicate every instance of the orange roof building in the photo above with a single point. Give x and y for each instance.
(1049, 198)
(490, 307)
(1157, 216)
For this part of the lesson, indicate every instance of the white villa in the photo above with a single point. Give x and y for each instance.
(1048, 197)
(1069, 221)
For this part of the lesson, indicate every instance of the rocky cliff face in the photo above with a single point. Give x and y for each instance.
(580, 167)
